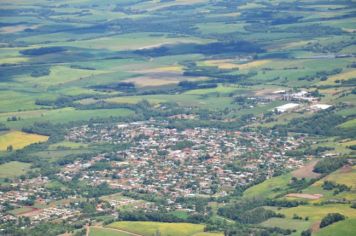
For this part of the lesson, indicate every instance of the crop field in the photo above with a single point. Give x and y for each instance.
(18, 139)
(13, 169)
(149, 228)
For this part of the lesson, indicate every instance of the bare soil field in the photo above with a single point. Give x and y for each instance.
(306, 171)
(305, 195)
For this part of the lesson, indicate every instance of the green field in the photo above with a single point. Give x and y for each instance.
(149, 228)
(316, 213)
(268, 188)
(96, 231)
(13, 169)
(63, 115)
(342, 228)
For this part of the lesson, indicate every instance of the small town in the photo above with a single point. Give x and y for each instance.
(180, 162)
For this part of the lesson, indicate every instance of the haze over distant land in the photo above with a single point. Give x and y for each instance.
(177, 118)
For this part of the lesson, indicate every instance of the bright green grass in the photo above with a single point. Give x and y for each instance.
(14, 101)
(106, 232)
(342, 228)
(150, 228)
(13, 169)
(268, 188)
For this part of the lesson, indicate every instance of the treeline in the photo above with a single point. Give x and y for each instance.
(54, 131)
(331, 218)
(248, 211)
(40, 71)
(206, 49)
(141, 215)
(121, 86)
(42, 51)
(3, 127)
(323, 123)
(338, 188)
(64, 101)
(328, 165)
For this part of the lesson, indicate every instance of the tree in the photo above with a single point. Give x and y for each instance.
(10, 148)
(331, 218)
(306, 233)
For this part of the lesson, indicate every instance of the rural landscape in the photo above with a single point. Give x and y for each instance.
(178, 118)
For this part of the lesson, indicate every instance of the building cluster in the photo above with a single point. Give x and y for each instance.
(190, 162)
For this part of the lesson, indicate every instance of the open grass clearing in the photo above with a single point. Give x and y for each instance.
(342, 228)
(268, 188)
(13, 169)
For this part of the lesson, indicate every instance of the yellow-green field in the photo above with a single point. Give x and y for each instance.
(342, 76)
(18, 139)
(345, 175)
(165, 229)
(351, 124)
(342, 228)
(13, 169)
(316, 213)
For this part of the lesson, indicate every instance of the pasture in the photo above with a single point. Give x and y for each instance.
(345, 175)
(268, 188)
(18, 139)
(316, 213)
(13, 169)
(62, 115)
(342, 228)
